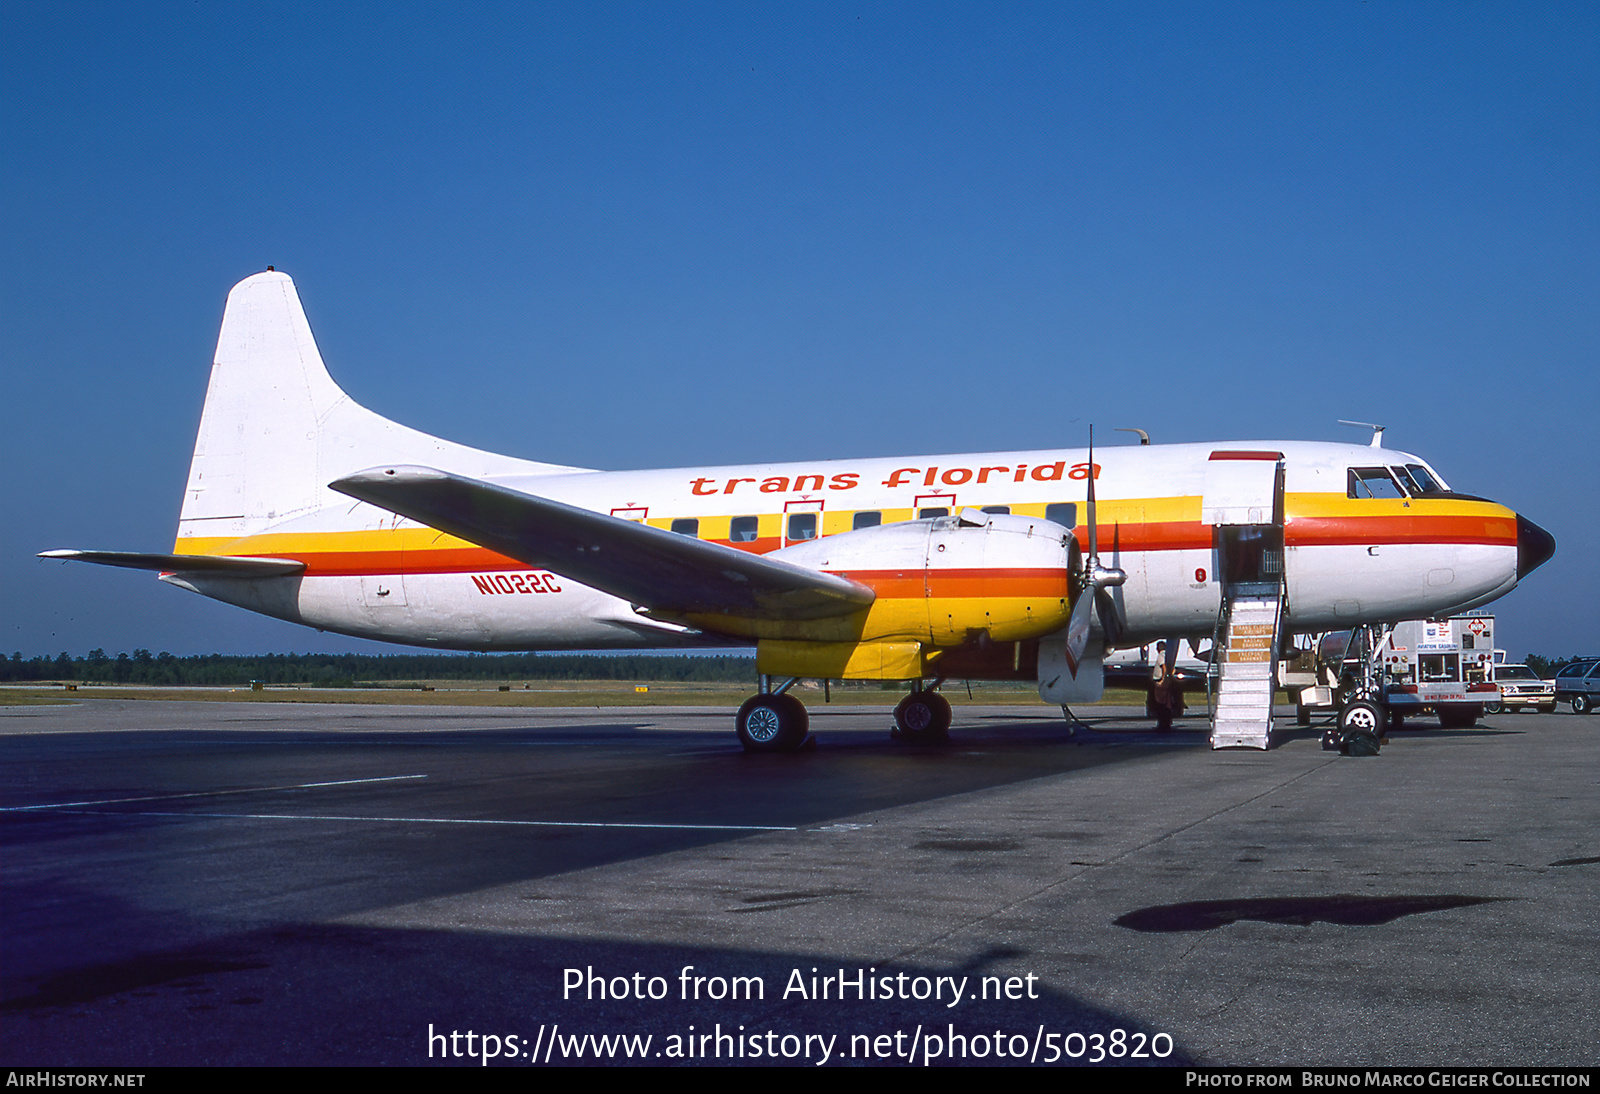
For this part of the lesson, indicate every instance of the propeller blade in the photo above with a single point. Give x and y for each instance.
(1078, 630)
(1094, 552)
(1111, 622)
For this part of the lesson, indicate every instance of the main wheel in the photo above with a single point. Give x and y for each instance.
(1582, 704)
(772, 723)
(923, 717)
(1360, 722)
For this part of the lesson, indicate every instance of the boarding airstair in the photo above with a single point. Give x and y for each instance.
(1243, 503)
(1244, 666)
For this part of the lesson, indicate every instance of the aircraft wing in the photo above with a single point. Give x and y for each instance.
(205, 564)
(665, 572)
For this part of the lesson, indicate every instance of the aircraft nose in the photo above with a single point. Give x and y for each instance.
(1534, 546)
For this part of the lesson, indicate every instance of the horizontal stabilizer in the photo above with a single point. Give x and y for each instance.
(663, 571)
(193, 564)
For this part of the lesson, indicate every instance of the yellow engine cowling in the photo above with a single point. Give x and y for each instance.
(973, 578)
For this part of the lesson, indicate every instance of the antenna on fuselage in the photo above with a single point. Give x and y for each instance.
(1144, 438)
(1377, 431)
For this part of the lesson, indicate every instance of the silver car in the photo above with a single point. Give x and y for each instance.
(1579, 684)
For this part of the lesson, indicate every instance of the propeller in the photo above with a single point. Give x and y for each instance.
(1095, 583)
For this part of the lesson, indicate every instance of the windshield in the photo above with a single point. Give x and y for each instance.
(1514, 672)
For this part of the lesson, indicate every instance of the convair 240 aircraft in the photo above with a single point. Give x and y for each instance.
(303, 505)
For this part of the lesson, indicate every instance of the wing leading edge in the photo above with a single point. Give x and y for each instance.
(667, 573)
(226, 565)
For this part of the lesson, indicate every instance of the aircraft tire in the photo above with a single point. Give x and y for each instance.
(772, 723)
(1359, 725)
(1582, 704)
(923, 718)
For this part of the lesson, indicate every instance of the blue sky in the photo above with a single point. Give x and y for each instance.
(633, 234)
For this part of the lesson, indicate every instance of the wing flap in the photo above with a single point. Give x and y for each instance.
(667, 573)
(235, 566)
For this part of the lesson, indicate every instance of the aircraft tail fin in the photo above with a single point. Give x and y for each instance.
(276, 428)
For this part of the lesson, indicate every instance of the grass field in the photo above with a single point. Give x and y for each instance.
(542, 693)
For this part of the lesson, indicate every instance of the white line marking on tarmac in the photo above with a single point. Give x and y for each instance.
(207, 793)
(441, 820)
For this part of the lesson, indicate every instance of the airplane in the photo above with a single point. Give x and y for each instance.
(1026, 565)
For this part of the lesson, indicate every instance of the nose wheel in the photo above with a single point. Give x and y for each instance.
(922, 718)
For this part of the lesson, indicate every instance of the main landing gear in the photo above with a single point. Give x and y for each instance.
(922, 718)
(775, 721)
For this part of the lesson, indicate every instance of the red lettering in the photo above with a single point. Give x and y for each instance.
(1022, 471)
(550, 585)
(734, 482)
(1082, 470)
(535, 583)
(956, 476)
(775, 485)
(522, 586)
(983, 472)
(839, 481)
(800, 482)
(927, 480)
(1049, 472)
(696, 484)
(484, 585)
(503, 583)
(894, 477)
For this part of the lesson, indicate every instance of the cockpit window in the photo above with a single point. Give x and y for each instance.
(1373, 482)
(1407, 483)
(1426, 483)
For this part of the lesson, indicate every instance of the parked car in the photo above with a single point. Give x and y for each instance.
(1579, 684)
(1520, 686)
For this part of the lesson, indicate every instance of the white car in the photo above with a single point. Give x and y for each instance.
(1520, 686)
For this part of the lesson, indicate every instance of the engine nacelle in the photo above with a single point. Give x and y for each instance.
(973, 578)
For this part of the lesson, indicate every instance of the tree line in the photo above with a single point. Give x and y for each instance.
(348, 669)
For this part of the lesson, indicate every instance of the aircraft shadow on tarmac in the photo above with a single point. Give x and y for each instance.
(328, 994)
(1342, 909)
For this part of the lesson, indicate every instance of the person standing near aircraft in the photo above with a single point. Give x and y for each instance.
(1166, 691)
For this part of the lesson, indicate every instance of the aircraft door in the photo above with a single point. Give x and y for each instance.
(1243, 503)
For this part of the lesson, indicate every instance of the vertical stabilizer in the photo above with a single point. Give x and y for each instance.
(276, 429)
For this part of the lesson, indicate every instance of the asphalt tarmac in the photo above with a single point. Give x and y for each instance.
(211, 883)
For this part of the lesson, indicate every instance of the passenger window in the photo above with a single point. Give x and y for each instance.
(687, 526)
(802, 526)
(743, 529)
(936, 511)
(999, 510)
(1064, 513)
(869, 519)
(1372, 482)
